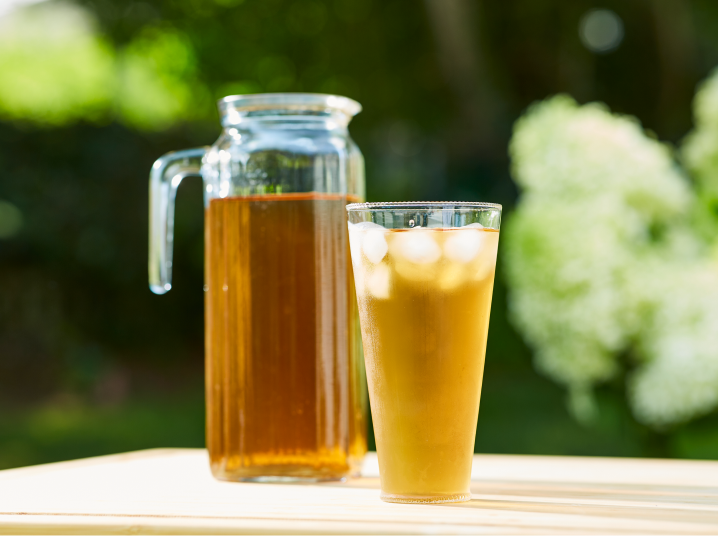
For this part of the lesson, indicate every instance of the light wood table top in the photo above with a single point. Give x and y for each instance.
(171, 491)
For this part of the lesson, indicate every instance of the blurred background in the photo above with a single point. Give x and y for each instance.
(93, 91)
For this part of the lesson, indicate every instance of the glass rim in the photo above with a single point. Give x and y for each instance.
(290, 101)
(448, 205)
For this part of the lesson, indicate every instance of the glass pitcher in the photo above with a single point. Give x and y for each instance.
(285, 381)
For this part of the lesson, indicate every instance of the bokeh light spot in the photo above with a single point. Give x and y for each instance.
(601, 30)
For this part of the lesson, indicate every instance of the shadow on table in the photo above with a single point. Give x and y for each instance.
(656, 503)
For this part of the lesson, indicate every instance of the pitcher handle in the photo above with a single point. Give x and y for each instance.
(166, 175)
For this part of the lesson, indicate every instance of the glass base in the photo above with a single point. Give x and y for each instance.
(280, 474)
(425, 499)
(289, 479)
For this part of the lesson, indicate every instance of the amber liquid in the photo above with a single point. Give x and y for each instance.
(284, 371)
(424, 302)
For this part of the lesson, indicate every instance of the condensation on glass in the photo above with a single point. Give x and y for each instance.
(285, 376)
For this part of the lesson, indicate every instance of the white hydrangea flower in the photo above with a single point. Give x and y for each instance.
(679, 342)
(602, 260)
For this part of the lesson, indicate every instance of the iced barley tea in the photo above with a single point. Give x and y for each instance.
(424, 301)
(283, 355)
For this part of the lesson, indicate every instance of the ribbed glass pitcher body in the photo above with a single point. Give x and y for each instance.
(284, 367)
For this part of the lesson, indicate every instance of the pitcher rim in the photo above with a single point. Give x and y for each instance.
(290, 101)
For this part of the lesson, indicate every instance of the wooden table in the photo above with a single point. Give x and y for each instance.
(171, 491)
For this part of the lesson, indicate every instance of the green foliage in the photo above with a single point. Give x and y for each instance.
(67, 428)
(92, 93)
(55, 68)
(157, 84)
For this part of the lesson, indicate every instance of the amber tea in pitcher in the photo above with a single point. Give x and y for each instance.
(284, 370)
(281, 324)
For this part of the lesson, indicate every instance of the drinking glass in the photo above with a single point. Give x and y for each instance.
(424, 277)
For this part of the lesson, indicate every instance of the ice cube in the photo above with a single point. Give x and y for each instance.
(452, 276)
(417, 246)
(369, 237)
(473, 226)
(487, 261)
(378, 282)
(463, 245)
(354, 245)
(374, 245)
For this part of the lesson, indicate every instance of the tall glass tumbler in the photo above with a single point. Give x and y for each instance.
(424, 279)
